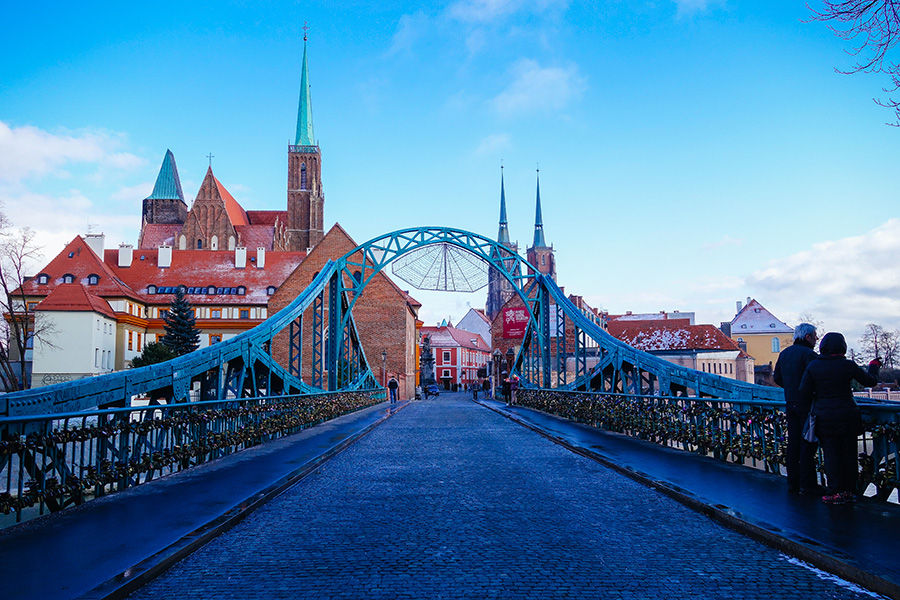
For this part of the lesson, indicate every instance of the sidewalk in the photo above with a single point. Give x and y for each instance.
(124, 539)
(860, 543)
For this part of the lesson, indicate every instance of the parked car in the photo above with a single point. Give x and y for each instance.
(431, 390)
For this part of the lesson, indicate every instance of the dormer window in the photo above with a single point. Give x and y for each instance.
(211, 290)
(68, 278)
(241, 290)
(43, 278)
(93, 279)
(151, 289)
(270, 290)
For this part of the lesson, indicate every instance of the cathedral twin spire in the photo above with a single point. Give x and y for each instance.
(305, 135)
(503, 233)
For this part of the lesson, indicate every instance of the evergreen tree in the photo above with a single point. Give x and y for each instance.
(182, 335)
(154, 352)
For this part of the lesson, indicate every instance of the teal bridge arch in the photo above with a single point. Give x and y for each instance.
(562, 348)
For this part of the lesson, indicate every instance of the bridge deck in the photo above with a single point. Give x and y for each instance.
(449, 499)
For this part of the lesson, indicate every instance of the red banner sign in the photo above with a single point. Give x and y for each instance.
(515, 321)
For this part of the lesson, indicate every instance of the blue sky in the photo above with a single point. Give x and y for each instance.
(692, 153)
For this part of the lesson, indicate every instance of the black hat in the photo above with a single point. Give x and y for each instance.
(833, 343)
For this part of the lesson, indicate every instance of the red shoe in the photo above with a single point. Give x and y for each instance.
(838, 498)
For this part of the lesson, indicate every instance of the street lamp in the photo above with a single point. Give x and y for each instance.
(510, 357)
(496, 382)
(383, 367)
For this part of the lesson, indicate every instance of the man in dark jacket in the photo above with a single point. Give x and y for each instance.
(789, 369)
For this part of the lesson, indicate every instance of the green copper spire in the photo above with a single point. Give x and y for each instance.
(305, 136)
(503, 234)
(168, 185)
(538, 220)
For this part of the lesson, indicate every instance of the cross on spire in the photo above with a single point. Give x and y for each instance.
(305, 29)
(210, 157)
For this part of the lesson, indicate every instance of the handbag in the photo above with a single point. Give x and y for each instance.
(809, 428)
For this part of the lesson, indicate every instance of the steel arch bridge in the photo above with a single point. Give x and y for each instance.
(562, 348)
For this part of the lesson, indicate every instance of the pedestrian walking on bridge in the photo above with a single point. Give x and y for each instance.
(393, 386)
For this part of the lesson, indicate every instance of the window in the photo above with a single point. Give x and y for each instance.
(163, 313)
(303, 176)
(211, 289)
(139, 342)
(97, 357)
(543, 259)
(215, 338)
(245, 313)
(31, 306)
(270, 290)
(215, 313)
(446, 373)
(93, 279)
(43, 278)
(776, 344)
(199, 244)
(68, 278)
(151, 289)
(241, 290)
(446, 358)
(131, 340)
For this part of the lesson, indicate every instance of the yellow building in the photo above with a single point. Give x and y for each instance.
(760, 333)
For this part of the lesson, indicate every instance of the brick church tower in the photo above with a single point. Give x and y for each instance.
(540, 254)
(499, 289)
(305, 196)
(165, 205)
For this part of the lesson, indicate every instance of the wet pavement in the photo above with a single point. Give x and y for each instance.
(453, 499)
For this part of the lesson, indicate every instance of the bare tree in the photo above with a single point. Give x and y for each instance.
(874, 27)
(877, 342)
(18, 329)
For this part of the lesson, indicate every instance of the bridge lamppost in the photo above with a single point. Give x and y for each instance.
(384, 367)
(510, 357)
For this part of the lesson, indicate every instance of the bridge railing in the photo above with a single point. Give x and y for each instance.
(50, 462)
(748, 432)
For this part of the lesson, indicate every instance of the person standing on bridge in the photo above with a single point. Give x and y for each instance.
(827, 384)
(393, 386)
(800, 457)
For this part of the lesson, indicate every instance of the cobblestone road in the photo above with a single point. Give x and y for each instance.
(450, 500)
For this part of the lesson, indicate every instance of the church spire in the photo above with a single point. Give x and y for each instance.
(503, 234)
(168, 185)
(305, 136)
(538, 220)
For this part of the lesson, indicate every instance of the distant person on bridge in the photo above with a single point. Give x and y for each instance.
(827, 385)
(393, 386)
(800, 457)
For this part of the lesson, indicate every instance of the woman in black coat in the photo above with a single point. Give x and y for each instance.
(827, 384)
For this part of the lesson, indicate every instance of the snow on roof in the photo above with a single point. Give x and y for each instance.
(155, 235)
(754, 318)
(74, 297)
(661, 336)
(446, 335)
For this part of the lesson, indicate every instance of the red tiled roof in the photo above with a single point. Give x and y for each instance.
(256, 236)
(266, 217)
(79, 261)
(74, 297)
(652, 336)
(205, 268)
(235, 211)
(156, 234)
(463, 338)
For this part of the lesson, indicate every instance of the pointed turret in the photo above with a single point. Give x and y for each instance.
(538, 220)
(306, 198)
(503, 234)
(305, 135)
(168, 184)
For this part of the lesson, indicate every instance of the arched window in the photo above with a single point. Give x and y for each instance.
(214, 243)
(776, 344)
(231, 242)
(93, 279)
(182, 243)
(270, 290)
(151, 289)
(68, 278)
(199, 244)
(303, 176)
(43, 278)
(241, 290)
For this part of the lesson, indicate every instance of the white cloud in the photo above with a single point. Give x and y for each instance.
(535, 88)
(27, 152)
(493, 144)
(410, 29)
(846, 283)
(689, 7)
(484, 11)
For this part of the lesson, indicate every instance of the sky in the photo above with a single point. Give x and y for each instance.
(692, 153)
